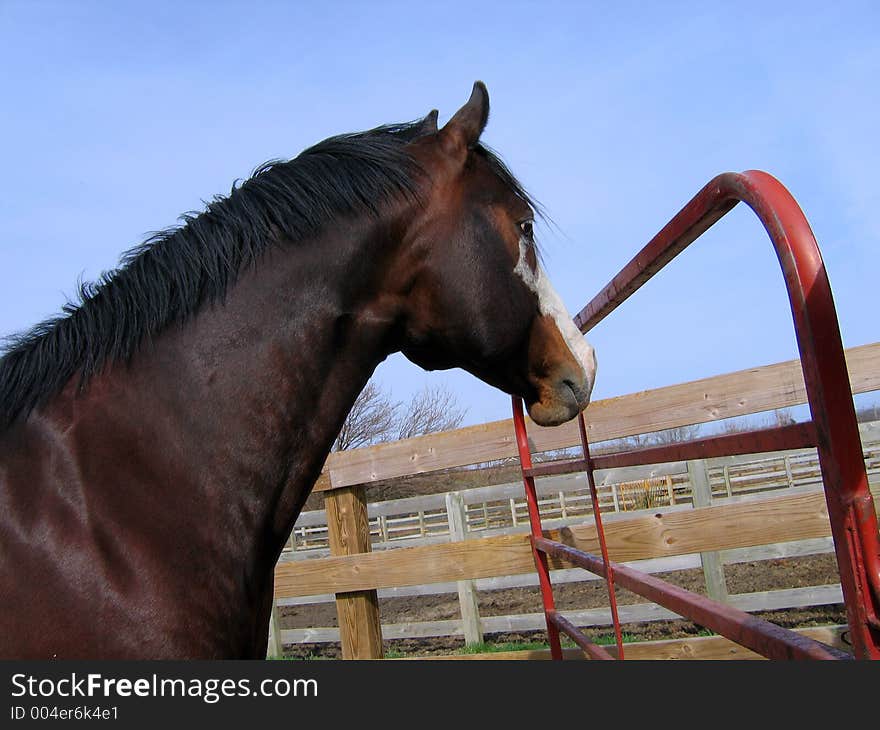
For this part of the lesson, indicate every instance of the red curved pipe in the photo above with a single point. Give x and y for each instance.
(850, 505)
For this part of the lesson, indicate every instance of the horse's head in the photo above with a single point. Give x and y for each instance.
(479, 298)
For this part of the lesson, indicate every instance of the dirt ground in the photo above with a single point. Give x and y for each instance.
(741, 578)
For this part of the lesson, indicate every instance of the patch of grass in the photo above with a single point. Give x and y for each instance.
(609, 639)
(490, 647)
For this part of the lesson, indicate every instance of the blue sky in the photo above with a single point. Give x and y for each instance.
(115, 119)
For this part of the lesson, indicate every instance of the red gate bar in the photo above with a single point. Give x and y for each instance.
(594, 651)
(555, 621)
(525, 457)
(778, 438)
(600, 530)
(761, 636)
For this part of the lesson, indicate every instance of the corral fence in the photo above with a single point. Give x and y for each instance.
(564, 501)
(565, 498)
(789, 520)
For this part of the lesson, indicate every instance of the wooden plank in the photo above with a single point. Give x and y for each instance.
(725, 396)
(780, 550)
(788, 598)
(441, 537)
(634, 473)
(806, 459)
(734, 524)
(629, 613)
(475, 495)
(523, 580)
(671, 531)
(358, 610)
(697, 648)
(482, 558)
(798, 548)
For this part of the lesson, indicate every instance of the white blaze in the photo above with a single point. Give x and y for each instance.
(550, 304)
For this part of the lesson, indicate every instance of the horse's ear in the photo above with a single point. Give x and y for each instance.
(467, 124)
(428, 125)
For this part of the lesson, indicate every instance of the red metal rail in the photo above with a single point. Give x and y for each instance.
(833, 429)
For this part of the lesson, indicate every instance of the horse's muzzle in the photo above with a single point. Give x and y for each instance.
(562, 397)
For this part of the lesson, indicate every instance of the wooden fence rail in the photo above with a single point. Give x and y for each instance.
(576, 575)
(761, 520)
(700, 401)
(677, 530)
(629, 613)
(567, 497)
(762, 601)
(681, 532)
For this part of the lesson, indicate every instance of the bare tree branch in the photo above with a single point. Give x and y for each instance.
(375, 418)
(868, 413)
(431, 410)
(372, 419)
(779, 417)
(675, 435)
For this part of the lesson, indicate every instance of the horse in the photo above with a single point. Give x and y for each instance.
(159, 437)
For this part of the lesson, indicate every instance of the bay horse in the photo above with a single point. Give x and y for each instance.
(159, 437)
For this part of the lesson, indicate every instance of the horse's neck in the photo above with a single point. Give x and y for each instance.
(233, 413)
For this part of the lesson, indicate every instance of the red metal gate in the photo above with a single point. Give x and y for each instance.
(833, 430)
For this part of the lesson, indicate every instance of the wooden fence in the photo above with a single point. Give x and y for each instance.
(472, 627)
(709, 526)
(567, 497)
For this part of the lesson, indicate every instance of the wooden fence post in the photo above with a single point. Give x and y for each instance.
(614, 497)
(713, 567)
(349, 530)
(467, 591)
(727, 480)
(275, 648)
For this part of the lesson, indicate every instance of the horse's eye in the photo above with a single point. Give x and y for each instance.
(527, 228)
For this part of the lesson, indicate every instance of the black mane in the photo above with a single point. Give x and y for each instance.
(172, 274)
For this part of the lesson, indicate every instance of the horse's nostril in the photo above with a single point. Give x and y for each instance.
(578, 393)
